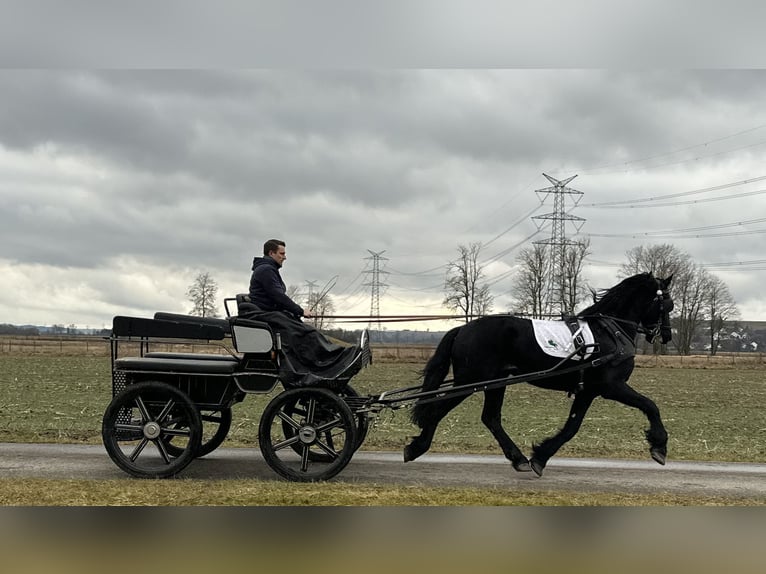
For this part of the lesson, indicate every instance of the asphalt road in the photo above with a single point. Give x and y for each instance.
(729, 480)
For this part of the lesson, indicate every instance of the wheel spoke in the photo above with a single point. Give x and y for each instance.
(145, 417)
(305, 458)
(124, 427)
(211, 418)
(285, 443)
(328, 449)
(163, 451)
(177, 431)
(311, 410)
(286, 418)
(166, 411)
(329, 425)
(139, 447)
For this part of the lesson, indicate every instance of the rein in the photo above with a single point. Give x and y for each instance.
(388, 318)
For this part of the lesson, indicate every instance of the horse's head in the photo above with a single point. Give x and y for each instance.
(656, 319)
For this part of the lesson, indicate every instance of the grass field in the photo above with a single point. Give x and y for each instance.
(713, 411)
(710, 414)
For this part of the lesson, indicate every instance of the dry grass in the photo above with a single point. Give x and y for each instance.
(193, 492)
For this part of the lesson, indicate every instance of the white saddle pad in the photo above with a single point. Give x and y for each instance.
(555, 338)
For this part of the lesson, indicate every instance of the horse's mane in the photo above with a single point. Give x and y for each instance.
(622, 295)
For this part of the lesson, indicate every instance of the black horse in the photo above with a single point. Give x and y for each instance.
(499, 346)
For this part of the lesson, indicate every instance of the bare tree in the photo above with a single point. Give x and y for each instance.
(689, 292)
(321, 305)
(697, 294)
(202, 293)
(720, 307)
(529, 282)
(463, 287)
(661, 260)
(574, 286)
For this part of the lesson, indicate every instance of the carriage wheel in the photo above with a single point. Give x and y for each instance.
(215, 427)
(137, 423)
(299, 407)
(324, 425)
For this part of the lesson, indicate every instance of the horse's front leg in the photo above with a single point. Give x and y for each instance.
(542, 452)
(656, 436)
(492, 419)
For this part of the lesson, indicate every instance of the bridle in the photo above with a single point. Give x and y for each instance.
(662, 326)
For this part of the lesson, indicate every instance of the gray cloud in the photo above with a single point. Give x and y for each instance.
(177, 171)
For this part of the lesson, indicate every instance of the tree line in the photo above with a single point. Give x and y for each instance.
(703, 302)
(704, 306)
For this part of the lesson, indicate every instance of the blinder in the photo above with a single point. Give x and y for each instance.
(662, 326)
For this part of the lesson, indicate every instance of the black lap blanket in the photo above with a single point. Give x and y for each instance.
(308, 357)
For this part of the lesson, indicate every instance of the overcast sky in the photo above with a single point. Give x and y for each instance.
(118, 187)
(142, 144)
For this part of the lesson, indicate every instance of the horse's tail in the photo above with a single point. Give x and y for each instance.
(433, 375)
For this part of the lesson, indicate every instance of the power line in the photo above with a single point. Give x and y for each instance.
(504, 204)
(417, 273)
(674, 195)
(735, 263)
(672, 232)
(672, 236)
(666, 154)
(513, 225)
(692, 201)
(511, 248)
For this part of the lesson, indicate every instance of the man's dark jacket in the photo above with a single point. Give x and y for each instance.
(267, 290)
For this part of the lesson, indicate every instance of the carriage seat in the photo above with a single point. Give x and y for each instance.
(188, 356)
(245, 307)
(194, 320)
(177, 365)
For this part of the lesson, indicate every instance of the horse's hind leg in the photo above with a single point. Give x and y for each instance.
(492, 419)
(656, 436)
(430, 416)
(547, 448)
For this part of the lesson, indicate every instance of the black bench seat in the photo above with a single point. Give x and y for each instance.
(187, 356)
(165, 365)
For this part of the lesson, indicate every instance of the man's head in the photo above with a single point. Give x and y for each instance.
(275, 249)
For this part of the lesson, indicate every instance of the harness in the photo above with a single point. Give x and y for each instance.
(624, 345)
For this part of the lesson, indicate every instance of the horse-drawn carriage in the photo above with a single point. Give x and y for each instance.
(169, 408)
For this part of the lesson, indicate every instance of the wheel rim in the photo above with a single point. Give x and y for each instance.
(138, 423)
(296, 407)
(325, 426)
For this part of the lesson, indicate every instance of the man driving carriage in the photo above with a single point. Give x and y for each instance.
(310, 356)
(267, 289)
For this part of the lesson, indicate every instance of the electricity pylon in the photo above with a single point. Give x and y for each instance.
(555, 279)
(375, 284)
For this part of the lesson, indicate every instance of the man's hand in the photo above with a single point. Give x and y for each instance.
(307, 314)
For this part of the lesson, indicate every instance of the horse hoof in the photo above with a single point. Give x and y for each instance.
(658, 456)
(522, 466)
(537, 466)
(410, 454)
